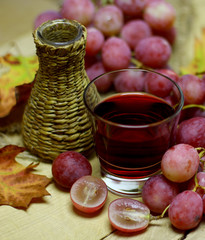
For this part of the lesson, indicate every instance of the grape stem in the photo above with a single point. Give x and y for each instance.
(193, 106)
(159, 216)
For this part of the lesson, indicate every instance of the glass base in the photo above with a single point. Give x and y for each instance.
(122, 186)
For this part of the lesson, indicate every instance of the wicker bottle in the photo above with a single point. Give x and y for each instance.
(55, 118)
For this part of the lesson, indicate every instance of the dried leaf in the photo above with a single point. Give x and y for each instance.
(197, 64)
(18, 185)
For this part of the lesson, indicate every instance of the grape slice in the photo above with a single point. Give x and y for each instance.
(88, 194)
(128, 215)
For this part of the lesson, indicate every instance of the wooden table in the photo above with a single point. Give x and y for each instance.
(54, 217)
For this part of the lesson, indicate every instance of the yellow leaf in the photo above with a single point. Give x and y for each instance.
(197, 65)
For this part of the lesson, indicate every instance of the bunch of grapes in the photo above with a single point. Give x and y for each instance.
(121, 34)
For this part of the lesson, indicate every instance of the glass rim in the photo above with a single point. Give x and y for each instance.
(40, 31)
(177, 110)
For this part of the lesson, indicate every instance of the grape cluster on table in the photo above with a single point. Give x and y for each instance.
(124, 34)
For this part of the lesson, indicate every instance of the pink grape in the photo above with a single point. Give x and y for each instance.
(193, 89)
(153, 51)
(80, 10)
(45, 16)
(105, 82)
(129, 81)
(157, 84)
(135, 30)
(160, 15)
(203, 199)
(116, 54)
(95, 40)
(88, 194)
(186, 210)
(70, 166)
(192, 132)
(201, 181)
(180, 163)
(109, 20)
(132, 8)
(158, 192)
(128, 215)
(170, 34)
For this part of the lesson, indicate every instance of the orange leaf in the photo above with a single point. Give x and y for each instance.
(18, 186)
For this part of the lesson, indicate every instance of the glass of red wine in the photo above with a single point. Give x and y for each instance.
(133, 125)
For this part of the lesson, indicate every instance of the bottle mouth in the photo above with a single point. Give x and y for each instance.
(59, 32)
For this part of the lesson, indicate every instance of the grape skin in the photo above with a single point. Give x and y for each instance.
(45, 16)
(129, 81)
(82, 12)
(186, 210)
(116, 54)
(193, 89)
(158, 192)
(70, 166)
(201, 181)
(132, 8)
(160, 15)
(135, 30)
(192, 132)
(105, 82)
(180, 163)
(157, 84)
(153, 51)
(109, 20)
(95, 40)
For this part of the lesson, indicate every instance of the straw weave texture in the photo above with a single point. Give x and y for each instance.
(55, 118)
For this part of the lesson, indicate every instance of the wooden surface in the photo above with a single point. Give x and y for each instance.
(54, 217)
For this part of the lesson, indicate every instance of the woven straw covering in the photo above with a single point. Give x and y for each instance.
(55, 119)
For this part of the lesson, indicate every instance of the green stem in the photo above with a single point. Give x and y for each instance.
(193, 106)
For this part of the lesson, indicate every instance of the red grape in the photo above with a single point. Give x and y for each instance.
(153, 51)
(109, 20)
(192, 132)
(45, 16)
(158, 192)
(135, 30)
(88, 194)
(132, 8)
(159, 15)
(105, 82)
(128, 215)
(157, 84)
(116, 54)
(129, 81)
(180, 163)
(81, 10)
(193, 89)
(203, 199)
(201, 182)
(186, 210)
(169, 35)
(70, 166)
(95, 40)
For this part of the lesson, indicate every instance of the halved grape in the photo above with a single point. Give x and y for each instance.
(128, 215)
(88, 194)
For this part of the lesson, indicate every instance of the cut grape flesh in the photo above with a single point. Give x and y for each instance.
(88, 194)
(128, 215)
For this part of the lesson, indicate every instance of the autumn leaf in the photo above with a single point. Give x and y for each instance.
(197, 65)
(18, 185)
(15, 71)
